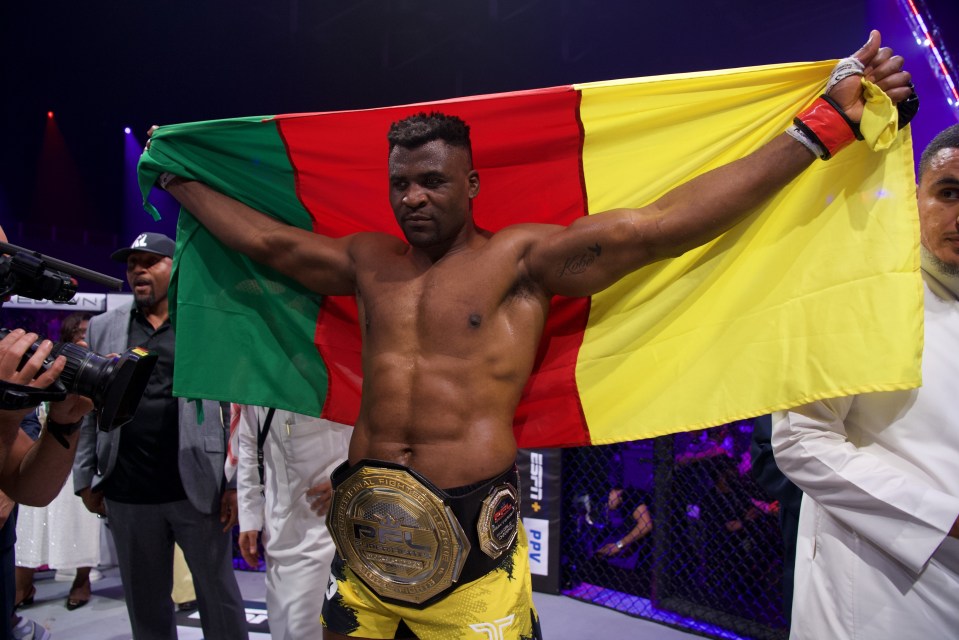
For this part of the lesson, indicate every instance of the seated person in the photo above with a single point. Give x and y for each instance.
(623, 557)
(627, 520)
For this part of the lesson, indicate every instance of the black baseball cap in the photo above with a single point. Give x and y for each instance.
(148, 243)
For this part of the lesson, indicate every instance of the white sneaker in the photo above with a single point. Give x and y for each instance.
(27, 629)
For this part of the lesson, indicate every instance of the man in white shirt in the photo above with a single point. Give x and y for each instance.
(286, 504)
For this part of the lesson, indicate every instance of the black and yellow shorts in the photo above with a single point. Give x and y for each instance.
(496, 606)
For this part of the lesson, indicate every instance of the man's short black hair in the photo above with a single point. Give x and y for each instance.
(948, 138)
(416, 130)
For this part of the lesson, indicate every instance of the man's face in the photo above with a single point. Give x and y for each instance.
(430, 191)
(149, 277)
(938, 201)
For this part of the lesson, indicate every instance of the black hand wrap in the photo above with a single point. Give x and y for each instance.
(907, 108)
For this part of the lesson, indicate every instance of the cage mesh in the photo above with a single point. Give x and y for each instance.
(702, 547)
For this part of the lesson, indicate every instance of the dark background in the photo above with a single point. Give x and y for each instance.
(103, 66)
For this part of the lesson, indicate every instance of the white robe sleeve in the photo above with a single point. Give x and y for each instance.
(250, 499)
(873, 490)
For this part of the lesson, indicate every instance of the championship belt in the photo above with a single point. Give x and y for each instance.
(396, 533)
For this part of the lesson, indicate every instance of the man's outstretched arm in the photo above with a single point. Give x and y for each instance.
(617, 242)
(320, 263)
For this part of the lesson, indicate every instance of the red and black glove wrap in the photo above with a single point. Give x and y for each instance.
(826, 123)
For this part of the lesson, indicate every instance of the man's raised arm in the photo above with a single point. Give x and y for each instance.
(617, 242)
(321, 264)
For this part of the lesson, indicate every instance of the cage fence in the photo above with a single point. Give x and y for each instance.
(674, 529)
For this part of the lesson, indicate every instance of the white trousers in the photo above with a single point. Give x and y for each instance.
(298, 453)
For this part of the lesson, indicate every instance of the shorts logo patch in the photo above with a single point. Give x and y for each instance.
(331, 588)
(494, 630)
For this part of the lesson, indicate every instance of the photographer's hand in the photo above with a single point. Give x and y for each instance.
(73, 407)
(70, 410)
(12, 349)
(32, 473)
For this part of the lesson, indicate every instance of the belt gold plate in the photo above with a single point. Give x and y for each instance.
(397, 535)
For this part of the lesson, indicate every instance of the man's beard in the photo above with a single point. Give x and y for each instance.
(946, 268)
(147, 301)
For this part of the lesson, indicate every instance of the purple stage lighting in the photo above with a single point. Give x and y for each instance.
(135, 219)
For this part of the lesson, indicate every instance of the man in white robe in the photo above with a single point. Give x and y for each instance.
(299, 453)
(878, 554)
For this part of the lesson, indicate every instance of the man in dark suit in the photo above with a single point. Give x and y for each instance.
(160, 477)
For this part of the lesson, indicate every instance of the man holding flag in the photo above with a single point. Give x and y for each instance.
(425, 512)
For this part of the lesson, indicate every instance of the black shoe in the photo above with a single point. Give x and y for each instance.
(27, 599)
(79, 596)
(185, 607)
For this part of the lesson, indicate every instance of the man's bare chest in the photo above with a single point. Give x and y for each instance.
(425, 306)
(464, 299)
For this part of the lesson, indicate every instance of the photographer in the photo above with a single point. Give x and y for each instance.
(31, 472)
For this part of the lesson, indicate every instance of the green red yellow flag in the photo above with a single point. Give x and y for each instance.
(817, 294)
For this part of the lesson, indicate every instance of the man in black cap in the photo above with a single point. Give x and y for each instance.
(160, 478)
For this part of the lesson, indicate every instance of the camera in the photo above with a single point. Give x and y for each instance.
(26, 274)
(115, 384)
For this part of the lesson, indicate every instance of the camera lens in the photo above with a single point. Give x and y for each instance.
(85, 372)
(114, 384)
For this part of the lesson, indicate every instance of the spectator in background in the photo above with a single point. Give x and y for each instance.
(63, 535)
(160, 478)
(627, 520)
(738, 531)
(625, 525)
(285, 497)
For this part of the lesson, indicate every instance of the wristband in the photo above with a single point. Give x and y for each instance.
(60, 432)
(806, 140)
(843, 69)
(164, 179)
(827, 125)
(619, 544)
